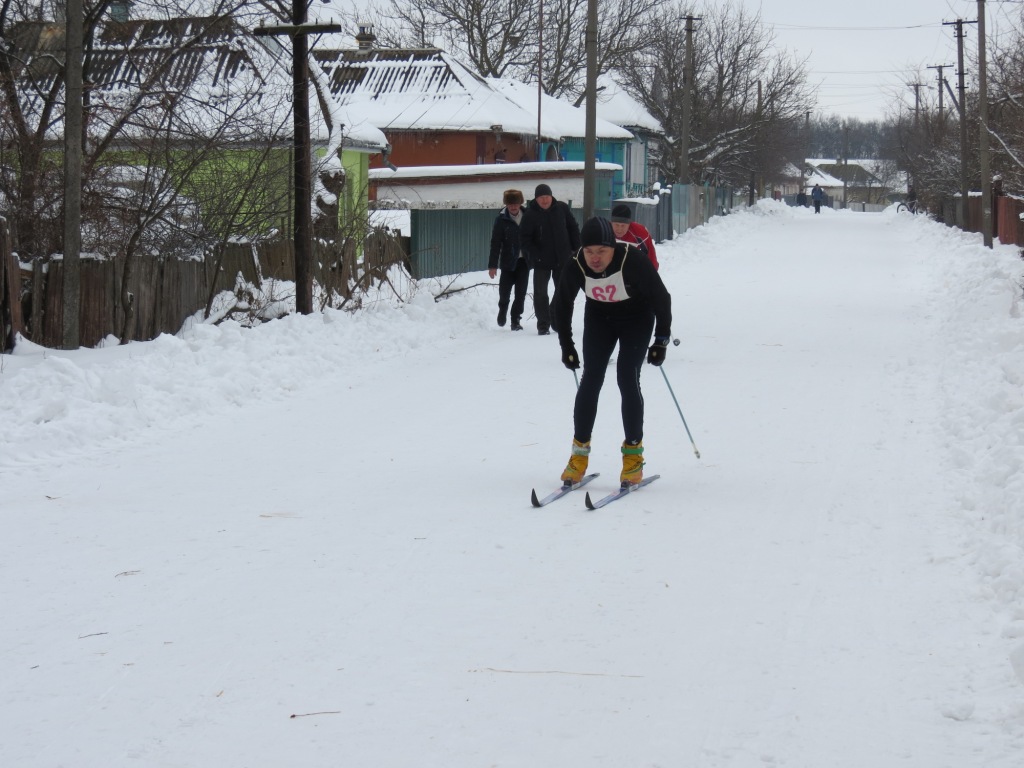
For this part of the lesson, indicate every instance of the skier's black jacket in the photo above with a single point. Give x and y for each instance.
(646, 293)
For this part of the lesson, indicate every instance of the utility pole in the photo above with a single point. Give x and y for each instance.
(540, 75)
(952, 96)
(846, 160)
(684, 134)
(74, 32)
(590, 158)
(302, 169)
(807, 146)
(917, 102)
(941, 79)
(962, 109)
(986, 175)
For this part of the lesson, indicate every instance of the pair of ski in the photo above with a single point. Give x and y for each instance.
(624, 490)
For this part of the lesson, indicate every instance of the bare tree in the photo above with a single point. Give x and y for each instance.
(926, 141)
(500, 38)
(1006, 118)
(749, 98)
(184, 148)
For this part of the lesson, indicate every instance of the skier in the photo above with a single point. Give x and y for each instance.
(625, 301)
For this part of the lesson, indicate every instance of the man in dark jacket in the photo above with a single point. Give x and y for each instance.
(506, 254)
(817, 196)
(549, 236)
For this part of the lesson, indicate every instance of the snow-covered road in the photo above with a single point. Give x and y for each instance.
(311, 544)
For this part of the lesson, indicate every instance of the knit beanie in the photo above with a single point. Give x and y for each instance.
(597, 231)
(541, 190)
(512, 197)
(621, 214)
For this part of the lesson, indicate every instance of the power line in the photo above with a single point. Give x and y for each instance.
(849, 29)
(863, 71)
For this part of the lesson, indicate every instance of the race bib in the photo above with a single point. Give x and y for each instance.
(606, 288)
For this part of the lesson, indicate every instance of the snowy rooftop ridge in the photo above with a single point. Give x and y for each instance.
(429, 89)
(223, 69)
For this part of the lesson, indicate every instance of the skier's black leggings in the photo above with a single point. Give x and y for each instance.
(600, 335)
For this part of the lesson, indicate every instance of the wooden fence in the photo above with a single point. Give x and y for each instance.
(10, 291)
(1008, 225)
(168, 291)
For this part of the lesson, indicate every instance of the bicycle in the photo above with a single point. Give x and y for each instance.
(906, 208)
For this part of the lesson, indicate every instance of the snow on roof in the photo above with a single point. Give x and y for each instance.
(222, 70)
(819, 177)
(428, 89)
(506, 169)
(616, 106)
(418, 89)
(790, 171)
(558, 118)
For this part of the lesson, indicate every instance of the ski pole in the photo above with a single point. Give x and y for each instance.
(669, 385)
(577, 377)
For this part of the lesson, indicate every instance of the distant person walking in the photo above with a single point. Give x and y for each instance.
(628, 231)
(550, 236)
(507, 254)
(817, 195)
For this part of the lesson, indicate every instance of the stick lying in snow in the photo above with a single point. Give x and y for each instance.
(310, 714)
(550, 672)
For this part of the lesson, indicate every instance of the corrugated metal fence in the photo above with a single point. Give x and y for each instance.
(166, 291)
(447, 241)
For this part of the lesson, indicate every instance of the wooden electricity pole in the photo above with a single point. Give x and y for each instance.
(942, 80)
(74, 32)
(684, 133)
(962, 109)
(302, 170)
(917, 103)
(540, 78)
(590, 150)
(986, 175)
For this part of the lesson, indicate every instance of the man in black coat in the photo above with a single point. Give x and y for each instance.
(549, 236)
(507, 254)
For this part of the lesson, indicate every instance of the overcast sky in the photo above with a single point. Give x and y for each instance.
(862, 53)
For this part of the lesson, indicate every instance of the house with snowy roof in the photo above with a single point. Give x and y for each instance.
(617, 106)
(436, 111)
(199, 79)
(852, 178)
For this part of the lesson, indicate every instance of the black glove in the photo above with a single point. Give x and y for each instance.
(570, 357)
(656, 354)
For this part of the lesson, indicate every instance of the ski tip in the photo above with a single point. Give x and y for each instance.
(588, 502)
(533, 498)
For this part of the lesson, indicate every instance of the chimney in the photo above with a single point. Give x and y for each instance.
(120, 10)
(365, 38)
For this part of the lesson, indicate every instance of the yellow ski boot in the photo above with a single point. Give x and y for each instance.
(632, 464)
(577, 466)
